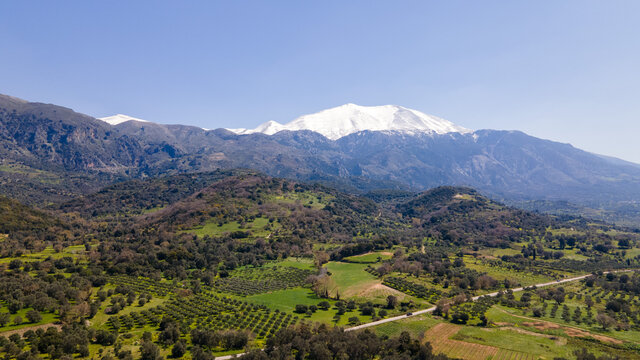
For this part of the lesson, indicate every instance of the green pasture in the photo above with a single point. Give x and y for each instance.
(350, 279)
(257, 227)
(523, 342)
(286, 301)
(47, 318)
(415, 325)
(500, 273)
(370, 258)
(74, 251)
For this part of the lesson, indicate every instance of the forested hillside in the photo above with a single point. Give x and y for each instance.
(233, 261)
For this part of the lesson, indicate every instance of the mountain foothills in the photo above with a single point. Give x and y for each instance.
(345, 234)
(232, 261)
(50, 153)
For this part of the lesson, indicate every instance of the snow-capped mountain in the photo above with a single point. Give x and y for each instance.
(347, 119)
(509, 165)
(119, 119)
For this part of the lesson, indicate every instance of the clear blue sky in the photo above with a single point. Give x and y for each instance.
(562, 70)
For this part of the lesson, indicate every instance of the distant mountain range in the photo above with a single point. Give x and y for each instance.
(51, 153)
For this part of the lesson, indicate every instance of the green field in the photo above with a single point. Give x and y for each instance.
(257, 228)
(286, 300)
(370, 258)
(416, 326)
(516, 340)
(47, 318)
(351, 279)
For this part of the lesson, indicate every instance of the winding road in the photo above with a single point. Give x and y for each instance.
(433, 308)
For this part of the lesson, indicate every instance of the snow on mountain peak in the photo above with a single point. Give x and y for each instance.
(119, 119)
(347, 119)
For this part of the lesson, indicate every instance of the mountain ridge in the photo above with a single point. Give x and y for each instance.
(338, 122)
(43, 145)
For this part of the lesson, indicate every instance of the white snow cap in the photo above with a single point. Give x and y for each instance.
(347, 119)
(119, 119)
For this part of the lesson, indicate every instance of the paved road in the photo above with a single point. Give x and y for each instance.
(431, 309)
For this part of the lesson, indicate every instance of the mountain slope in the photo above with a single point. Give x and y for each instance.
(54, 137)
(462, 216)
(50, 153)
(272, 208)
(18, 217)
(135, 197)
(509, 164)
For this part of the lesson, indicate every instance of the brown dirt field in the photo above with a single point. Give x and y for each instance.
(570, 331)
(25, 329)
(558, 340)
(386, 253)
(439, 337)
(380, 290)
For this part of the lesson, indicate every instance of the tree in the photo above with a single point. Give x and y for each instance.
(537, 312)
(324, 305)
(392, 301)
(17, 320)
(170, 334)
(105, 337)
(149, 351)
(558, 296)
(301, 308)
(442, 308)
(4, 319)
(319, 351)
(178, 350)
(320, 258)
(605, 320)
(624, 244)
(460, 317)
(588, 301)
(15, 264)
(33, 316)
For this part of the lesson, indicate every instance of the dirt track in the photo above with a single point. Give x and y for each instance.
(25, 329)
